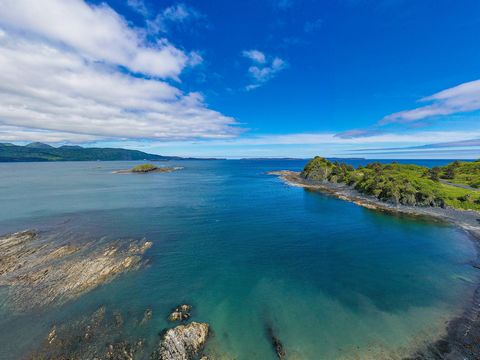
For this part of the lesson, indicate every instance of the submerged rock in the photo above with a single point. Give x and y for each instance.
(277, 345)
(147, 315)
(97, 336)
(182, 342)
(180, 313)
(39, 272)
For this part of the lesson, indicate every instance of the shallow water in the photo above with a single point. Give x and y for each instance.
(333, 280)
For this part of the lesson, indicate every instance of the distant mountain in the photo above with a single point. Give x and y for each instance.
(39, 145)
(42, 152)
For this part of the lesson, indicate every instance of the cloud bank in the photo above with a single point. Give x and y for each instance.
(82, 71)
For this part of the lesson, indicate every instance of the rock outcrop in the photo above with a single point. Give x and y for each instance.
(39, 272)
(182, 342)
(180, 313)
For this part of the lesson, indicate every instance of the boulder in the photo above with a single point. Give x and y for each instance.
(182, 342)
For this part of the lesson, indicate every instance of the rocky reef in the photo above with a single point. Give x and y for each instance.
(104, 335)
(98, 336)
(40, 272)
(182, 342)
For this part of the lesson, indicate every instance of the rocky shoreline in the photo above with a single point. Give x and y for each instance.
(104, 335)
(462, 339)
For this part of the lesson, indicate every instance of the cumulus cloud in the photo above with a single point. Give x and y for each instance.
(59, 73)
(458, 99)
(255, 56)
(97, 32)
(263, 68)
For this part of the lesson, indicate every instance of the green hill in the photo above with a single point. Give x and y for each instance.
(44, 152)
(452, 185)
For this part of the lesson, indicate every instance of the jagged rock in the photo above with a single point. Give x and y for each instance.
(180, 313)
(39, 272)
(182, 342)
(52, 335)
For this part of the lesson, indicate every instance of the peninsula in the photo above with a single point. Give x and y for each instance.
(456, 185)
(448, 193)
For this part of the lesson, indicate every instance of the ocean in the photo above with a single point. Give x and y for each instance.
(331, 279)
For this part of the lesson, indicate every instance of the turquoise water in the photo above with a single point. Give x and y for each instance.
(334, 280)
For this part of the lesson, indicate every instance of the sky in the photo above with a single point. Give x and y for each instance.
(252, 78)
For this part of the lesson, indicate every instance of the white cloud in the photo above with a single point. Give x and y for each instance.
(320, 139)
(255, 56)
(97, 32)
(264, 68)
(175, 14)
(303, 145)
(14, 133)
(73, 93)
(139, 6)
(459, 99)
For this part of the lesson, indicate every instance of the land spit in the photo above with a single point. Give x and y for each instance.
(462, 339)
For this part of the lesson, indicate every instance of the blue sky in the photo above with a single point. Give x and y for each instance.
(286, 78)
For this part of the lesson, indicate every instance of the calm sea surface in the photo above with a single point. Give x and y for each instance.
(333, 280)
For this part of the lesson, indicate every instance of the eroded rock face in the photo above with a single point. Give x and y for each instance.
(39, 273)
(182, 342)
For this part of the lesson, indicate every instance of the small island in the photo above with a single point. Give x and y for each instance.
(147, 168)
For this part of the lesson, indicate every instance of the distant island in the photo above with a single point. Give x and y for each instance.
(147, 168)
(43, 152)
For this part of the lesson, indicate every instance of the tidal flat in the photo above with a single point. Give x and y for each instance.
(275, 271)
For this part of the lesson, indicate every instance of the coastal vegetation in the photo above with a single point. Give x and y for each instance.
(454, 185)
(144, 168)
(147, 168)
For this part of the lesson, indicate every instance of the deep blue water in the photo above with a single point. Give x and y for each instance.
(334, 280)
